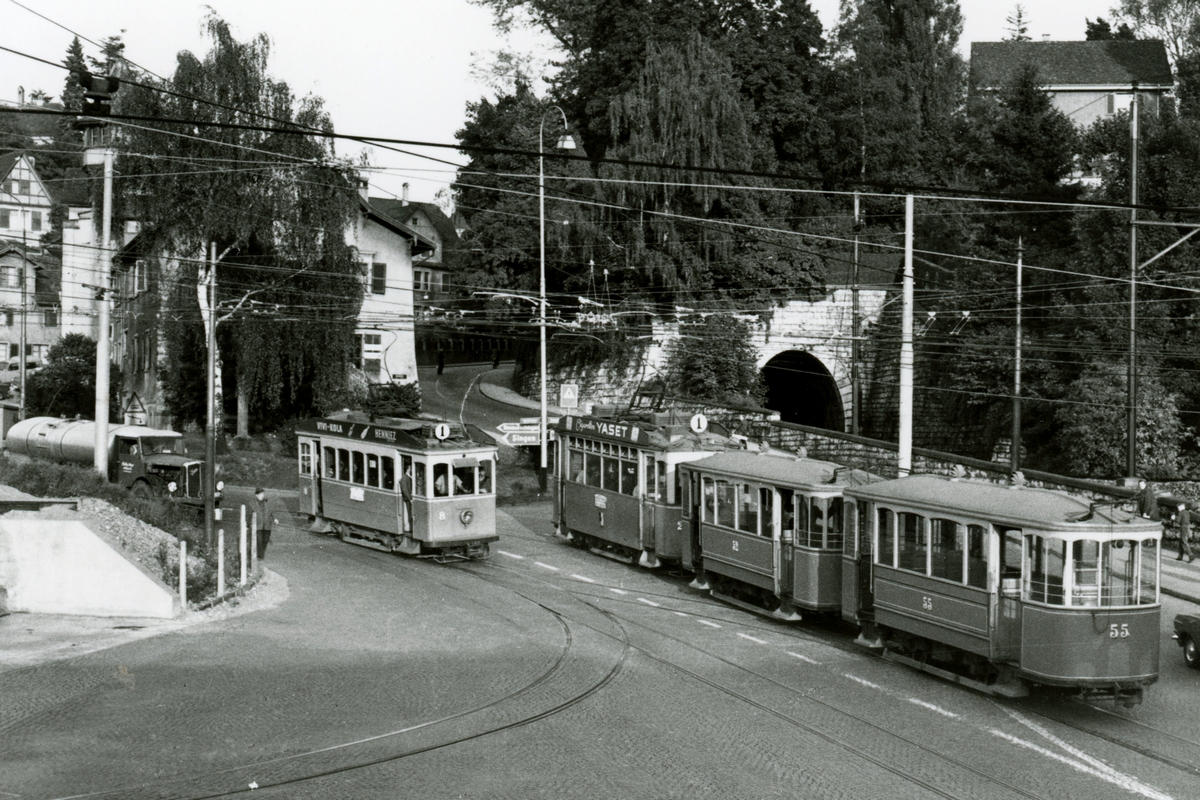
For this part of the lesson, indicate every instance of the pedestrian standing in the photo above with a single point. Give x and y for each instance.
(1183, 527)
(264, 523)
(1147, 502)
(441, 362)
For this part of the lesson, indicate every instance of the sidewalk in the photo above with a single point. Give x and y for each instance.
(491, 387)
(1179, 578)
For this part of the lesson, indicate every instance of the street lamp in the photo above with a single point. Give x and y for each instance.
(565, 142)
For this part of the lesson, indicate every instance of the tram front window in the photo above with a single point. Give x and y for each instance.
(485, 476)
(787, 514)
(441, 485)
(1120, 578)
(1046, 562)
(833, 524)
(464, 479)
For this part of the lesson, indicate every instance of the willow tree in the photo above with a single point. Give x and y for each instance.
(269, 200)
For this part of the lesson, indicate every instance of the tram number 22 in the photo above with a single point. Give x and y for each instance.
(1116, 631)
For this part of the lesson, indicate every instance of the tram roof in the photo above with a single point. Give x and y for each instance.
(416, 434)
(1022, 506)
(780, 468)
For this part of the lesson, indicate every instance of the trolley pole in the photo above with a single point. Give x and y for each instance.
(1015, 456)
(1131, 425)
(904, 463)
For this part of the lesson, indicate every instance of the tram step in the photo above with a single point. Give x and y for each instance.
(609, 554)
(753, 609)
(1002, 689)
(366, 543)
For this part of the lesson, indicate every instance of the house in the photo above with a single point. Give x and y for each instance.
(25, 202)
(1087, 81)
(431, 270)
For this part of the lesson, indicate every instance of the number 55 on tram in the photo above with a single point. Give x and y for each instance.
(1003, 588)
(408, 486)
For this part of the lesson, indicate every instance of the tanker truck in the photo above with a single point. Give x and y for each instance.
(144, 460)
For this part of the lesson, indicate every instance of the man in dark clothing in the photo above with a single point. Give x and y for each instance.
(1183, 526)
(264, 523)
(1147, 502)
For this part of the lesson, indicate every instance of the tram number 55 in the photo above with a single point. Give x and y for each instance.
(1116, 631)
(927, 603)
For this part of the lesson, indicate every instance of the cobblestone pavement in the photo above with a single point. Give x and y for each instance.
(546, 672)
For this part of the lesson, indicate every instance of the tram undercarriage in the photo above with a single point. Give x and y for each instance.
(465, 550)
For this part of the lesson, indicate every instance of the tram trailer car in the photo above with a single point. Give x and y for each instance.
(146, 461)
(1005, 588)
(355, 469)
(616, 482)
(767, 529)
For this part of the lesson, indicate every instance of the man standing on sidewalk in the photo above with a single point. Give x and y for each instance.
(264, 522)
(1183, 527)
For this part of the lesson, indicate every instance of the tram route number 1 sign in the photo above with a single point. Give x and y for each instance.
(568, 395)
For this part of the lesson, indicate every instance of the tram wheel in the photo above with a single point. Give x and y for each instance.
(1190, 654)
(919, 650)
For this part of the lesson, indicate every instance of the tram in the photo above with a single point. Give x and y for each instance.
(1005, 588)
(616, 482)
(766, 529)
(412, 486)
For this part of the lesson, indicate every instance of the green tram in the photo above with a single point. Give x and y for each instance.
(412, 486)
(1004, 588)
(616, 482)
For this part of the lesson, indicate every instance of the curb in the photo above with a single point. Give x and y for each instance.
(1180, 595)
(240, 591)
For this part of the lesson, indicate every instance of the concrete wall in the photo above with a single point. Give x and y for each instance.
(64, 567)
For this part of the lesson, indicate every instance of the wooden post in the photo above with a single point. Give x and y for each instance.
(220, 562)
(253, 541)
(183, 573)
(242, 548)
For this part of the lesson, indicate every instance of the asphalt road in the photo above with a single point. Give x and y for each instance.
(549, 672)
(455, 395)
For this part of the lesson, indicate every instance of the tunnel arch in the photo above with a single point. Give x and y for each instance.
(803, 391)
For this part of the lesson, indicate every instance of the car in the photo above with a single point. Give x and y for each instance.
(1187, 633)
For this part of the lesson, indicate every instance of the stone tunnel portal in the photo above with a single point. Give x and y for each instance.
(801, 389)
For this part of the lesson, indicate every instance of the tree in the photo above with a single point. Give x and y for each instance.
(1101, 31)
(277, 212)
(66, 386)
(1173, 21)
(714, 360)
(1018, 25)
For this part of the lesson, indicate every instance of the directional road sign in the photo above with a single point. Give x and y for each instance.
(521, 438)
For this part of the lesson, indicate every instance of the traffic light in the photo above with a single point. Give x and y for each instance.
(97, 93)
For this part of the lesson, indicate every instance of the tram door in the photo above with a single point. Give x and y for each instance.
(782, 518)
(862, 528)
(310, 475)
(649, 500)
(1006, 638)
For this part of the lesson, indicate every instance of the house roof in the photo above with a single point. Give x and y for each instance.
(402, 211)
(8, 161)
(36, 125)
(1066, 64)
(377, 213)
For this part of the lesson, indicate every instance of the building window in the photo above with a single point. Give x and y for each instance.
(421, 280)
(51, 318)
(378, 278)
(9, 278)
(24, 187)
(8, 318)
(5, 221)
(371, 354)
(35, 220)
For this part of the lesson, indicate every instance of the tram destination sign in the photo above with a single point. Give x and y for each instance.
(608, 429)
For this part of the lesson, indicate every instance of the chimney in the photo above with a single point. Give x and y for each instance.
(20, 96)
(364, 189)
(405, 195)
(1045, 37)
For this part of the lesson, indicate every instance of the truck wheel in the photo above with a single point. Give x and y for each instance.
(141, 489)
(1190, 655)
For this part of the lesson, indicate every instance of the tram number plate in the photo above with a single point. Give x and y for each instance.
(1116, 631)
(735, 545)
(927, 603)
(601, 501)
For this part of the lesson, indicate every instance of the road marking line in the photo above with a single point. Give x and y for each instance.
(709, 624)
(802, 658)
(511, 555)
(932, 707)
(1106, 774)
(750, 638)
(648, 602)
(681, 613)
(582, 578)
(546, 566)
(863, 681)
(617, 591)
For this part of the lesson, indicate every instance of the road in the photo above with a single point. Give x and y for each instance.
(455, 395)
(549, 672)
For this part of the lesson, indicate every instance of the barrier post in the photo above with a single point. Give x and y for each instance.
(253, 541)
(242, 548)
(183, 573)
(220, 562)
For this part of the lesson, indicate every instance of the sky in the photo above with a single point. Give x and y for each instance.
(402, 69)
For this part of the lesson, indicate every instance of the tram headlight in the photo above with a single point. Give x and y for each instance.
(466, 516)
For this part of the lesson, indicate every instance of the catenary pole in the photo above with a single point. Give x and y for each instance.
(1131, 423)
(1015, 458)
(906, 347)
(100, 454)
(210, 429)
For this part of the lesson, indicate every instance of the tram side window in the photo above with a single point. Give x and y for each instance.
(864, 531)
(661, 484)
(1046, 563)
(464, 479)
(802, 524)
(356, 462)
(441, 485)
(947, 545)
(1119, 585)
(1085, 561)
(747, 517)
(708, 501)
(887, 537)
(305, 458)
(833, 524)
(485, 476)
(726, 502)
(330, 463)
(388, 479)
(629, 471)
(787, 514)
(977, 556)
(593, 466)
(610, 468)
(372, 470)
(418, 478)
(683, 491)
(911, 545)
(344, 465)
(1148, 591)
(816, 521)
(766, 502)
(649, 487)
(575, 466)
